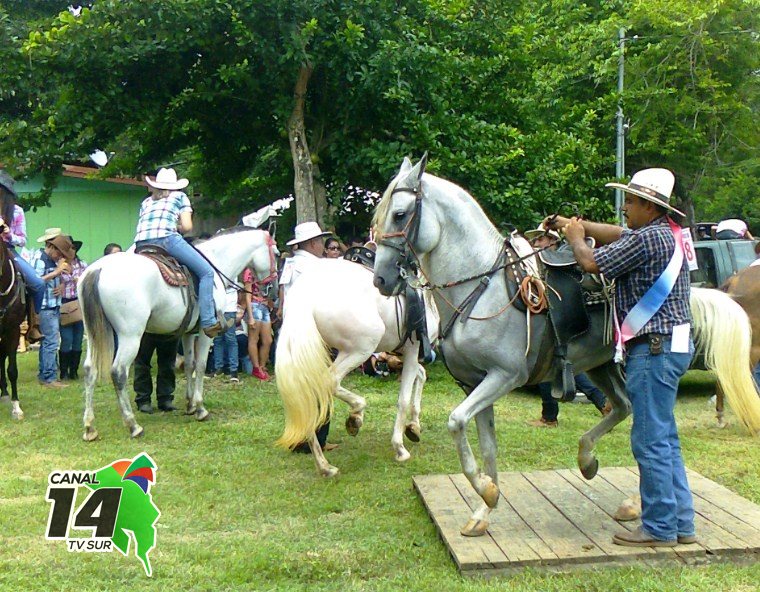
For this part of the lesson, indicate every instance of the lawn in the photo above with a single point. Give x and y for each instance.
(239, 514)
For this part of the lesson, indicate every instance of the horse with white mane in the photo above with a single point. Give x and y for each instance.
(334, 305)
(429, 223)
(124, 294)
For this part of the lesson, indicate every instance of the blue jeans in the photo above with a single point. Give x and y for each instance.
(49, 325)
(178, 248)
(226, 346)
(244, 362)
(667, 509)
(756, 374)
(33, 281)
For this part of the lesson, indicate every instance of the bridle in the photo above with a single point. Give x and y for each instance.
(407, 259)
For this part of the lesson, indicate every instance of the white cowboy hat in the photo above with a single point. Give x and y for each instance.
(50, 233)
(654, 185)
(531, 235)
(167, 179)
(306, 231)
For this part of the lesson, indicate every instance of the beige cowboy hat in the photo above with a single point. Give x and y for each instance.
(306, 231)
(653, 185)
(167, 179)
(532, 235)
(64, 245)
(50, 233)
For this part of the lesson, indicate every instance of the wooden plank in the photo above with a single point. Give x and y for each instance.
(450, 512)
(587, 517)
(510, 532)
(722, 497)
(749, 535)
(710, 537)
(541, 516)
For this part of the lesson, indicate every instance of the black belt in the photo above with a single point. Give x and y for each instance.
(647, 338)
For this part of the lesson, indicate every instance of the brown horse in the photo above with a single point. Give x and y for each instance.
(12, 312)
(744, 288)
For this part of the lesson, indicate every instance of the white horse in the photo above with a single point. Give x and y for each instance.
(125, 294)
(427, 222)
(334, 305)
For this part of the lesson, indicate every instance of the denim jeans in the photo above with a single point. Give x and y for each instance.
(71, 337)
(226, 348)
(178, 248)
(244, 362)
(756, 374)
(667, 509)
(49, 325)
(33, 281)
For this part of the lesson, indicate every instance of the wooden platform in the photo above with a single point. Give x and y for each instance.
(558, 521)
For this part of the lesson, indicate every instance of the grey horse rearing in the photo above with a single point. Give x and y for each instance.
(427, 222)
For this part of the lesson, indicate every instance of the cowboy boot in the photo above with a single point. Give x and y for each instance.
(34, 334)
(63, 364)
(76, 357)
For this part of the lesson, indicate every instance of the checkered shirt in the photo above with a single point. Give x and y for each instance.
(43, 264)
(70, 279)
(635, 261)
(158, 217)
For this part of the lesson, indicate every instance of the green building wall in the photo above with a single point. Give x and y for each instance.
(92, 211)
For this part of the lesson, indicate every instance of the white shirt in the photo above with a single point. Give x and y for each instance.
(294, 267)
(231, 300)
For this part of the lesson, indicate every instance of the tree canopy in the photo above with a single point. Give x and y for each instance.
(514, 101)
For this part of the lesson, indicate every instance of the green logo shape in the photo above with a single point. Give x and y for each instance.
(137, 515)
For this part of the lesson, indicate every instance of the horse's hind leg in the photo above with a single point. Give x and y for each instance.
(610, 380)
(3, 376)
(90, 378)
(720, 405)
(16, 412)
(125, 355)
(324, 468)
(344, 363)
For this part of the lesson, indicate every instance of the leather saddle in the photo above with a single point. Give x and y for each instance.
(173, 273)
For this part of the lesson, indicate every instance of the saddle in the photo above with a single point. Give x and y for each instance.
(173, 273)
(362, 256)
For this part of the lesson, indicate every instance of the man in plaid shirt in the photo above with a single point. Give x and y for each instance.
(659, 353)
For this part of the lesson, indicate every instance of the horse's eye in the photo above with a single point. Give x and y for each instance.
(398, 216)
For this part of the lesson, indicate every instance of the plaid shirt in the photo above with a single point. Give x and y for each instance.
(70, 279)
(635, 261)
(43, 264)
(17, 237)
(158, 217)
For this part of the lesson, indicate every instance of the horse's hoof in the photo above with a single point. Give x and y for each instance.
(190, 411)
(202, 414)
(491, 494)
(90, 435)
(19, 415)
(5, 399)
(329, 472)
(412, 432)
(474, 528)
(722, 424)
(589, 470)
(630, 509)
(353, 424)
(136, 432)
(403, 455)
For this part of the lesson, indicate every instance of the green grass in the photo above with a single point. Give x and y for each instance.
(239, 514)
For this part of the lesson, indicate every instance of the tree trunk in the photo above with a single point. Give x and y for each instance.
(303, 184)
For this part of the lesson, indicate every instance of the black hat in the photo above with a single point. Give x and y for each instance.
(77, 244)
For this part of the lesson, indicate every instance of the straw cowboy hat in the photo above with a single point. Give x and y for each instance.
(64, 245)
(50, 233)
(306, 231)
(532, 235)
(7, 183)
(167, 179)
(653, 185)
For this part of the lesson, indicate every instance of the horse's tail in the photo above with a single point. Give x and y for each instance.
(99, 330)
(723, 332)
(302, 367)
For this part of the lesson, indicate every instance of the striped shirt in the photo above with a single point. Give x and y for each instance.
(43, 264)
(70, 279)
(636, 261)
(17, 237)
(158, 217)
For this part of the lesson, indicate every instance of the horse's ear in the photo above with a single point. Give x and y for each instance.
(419, 168)
(406, 166)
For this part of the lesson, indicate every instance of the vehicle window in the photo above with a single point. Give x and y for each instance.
(706, 276)
(742, 253)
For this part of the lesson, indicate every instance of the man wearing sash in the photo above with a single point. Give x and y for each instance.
(652, 322)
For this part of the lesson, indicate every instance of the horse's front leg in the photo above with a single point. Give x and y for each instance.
(16, 412)
(202, 348)
(413, 426)
(405, 393)
(188, 351)
(3, 378)
(478, 523)
(609, 379)
(492, 387)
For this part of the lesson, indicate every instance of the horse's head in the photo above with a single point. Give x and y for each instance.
(404, 232)
(264, 264)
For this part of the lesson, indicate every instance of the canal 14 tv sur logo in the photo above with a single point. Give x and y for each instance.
(115, 506)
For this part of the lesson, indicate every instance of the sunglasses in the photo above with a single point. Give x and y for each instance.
(333, 248)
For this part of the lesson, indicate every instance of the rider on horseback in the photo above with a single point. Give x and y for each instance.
(163, 216)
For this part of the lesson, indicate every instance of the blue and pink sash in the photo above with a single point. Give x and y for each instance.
(654, 298)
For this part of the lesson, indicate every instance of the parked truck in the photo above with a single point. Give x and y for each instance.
(718, 260)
